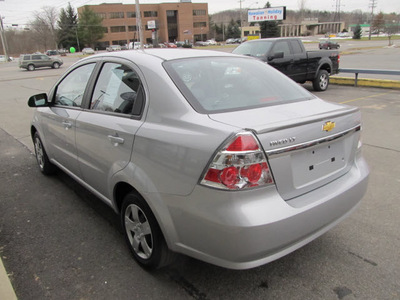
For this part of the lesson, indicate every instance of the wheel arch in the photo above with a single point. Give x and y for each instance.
(157, 206)
(324, 66)
(33, 131)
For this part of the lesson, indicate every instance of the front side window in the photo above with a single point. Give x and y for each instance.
(257, 49)
(71, 89)
(282, 47)
(214, 84)
(116, 90)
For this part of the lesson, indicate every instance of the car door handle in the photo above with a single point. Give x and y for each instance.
(67, 125)
(115, 139)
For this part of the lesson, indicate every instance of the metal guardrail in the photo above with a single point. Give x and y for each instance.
(368, 71)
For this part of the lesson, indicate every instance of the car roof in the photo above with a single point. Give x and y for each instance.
(166, 54)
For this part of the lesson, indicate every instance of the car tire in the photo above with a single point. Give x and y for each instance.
(31, 67)
(143, 234)
(45, 166)
(321, 81)
(56, 65)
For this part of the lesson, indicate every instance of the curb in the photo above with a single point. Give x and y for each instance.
(6, 289)
(380, 83)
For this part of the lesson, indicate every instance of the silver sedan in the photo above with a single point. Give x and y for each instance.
(208, 154)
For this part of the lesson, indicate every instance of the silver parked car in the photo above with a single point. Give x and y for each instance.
(208, 154)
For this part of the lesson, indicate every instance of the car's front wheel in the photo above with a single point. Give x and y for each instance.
(321, 82)
(143, 234)
(56, 65)
(45, 166)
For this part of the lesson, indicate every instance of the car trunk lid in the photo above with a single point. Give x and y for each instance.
(308, 144)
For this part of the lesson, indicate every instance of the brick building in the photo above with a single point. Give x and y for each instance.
(175, 21)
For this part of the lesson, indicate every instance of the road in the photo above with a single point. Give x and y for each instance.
(57, 241)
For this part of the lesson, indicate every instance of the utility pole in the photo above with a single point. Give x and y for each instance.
(3, 39)
(337, 11)
(241, 21)
(139, 24)
(372, 4)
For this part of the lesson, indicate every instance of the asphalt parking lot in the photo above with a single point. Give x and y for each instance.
(57, 241)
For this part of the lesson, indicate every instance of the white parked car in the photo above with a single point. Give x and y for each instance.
(87, 51)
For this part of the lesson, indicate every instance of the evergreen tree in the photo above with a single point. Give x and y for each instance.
(90, 27)
(67, 28)
(357, 32)
(269, 28)
(233, 30)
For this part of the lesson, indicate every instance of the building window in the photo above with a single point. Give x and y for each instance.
(120, 42)
(117, 29)
(199, 12)
(198, 37)
(131, 14)
(102, 15)
(116, 15)
(246, 33)
(199, 24)
(148, 14)
(132, 28)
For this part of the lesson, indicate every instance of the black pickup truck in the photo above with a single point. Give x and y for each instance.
(289, 56)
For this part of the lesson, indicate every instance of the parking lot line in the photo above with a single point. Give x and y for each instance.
(366, 97)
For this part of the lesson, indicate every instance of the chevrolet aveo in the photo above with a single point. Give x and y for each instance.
(208, 154)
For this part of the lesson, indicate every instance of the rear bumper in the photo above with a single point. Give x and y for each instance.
(241, 230)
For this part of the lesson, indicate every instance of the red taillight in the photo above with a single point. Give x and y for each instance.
(229, 176)
(240, 164)
(243, 143)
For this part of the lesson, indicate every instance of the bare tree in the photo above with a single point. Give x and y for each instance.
(302, 8)
(44, 27)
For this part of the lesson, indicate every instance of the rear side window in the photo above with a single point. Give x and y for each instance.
(36, 57)
(27, 57)
(218, 84)
(296, 47)
(117, 90)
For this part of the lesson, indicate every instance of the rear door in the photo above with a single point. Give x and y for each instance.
(106, 130)
(300, 61)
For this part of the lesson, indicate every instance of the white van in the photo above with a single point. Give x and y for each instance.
(134, 45)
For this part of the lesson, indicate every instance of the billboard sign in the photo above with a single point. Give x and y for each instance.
(267, 14)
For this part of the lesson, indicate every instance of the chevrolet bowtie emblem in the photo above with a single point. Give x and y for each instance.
(328, 126)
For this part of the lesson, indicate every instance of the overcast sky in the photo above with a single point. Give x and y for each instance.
(21, 11)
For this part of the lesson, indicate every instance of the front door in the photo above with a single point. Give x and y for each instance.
(285, 63)
(61, 118)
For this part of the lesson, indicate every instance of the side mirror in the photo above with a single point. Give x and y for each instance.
(39, 100)
(276, 55)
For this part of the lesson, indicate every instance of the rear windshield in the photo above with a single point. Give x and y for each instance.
(218, 84)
